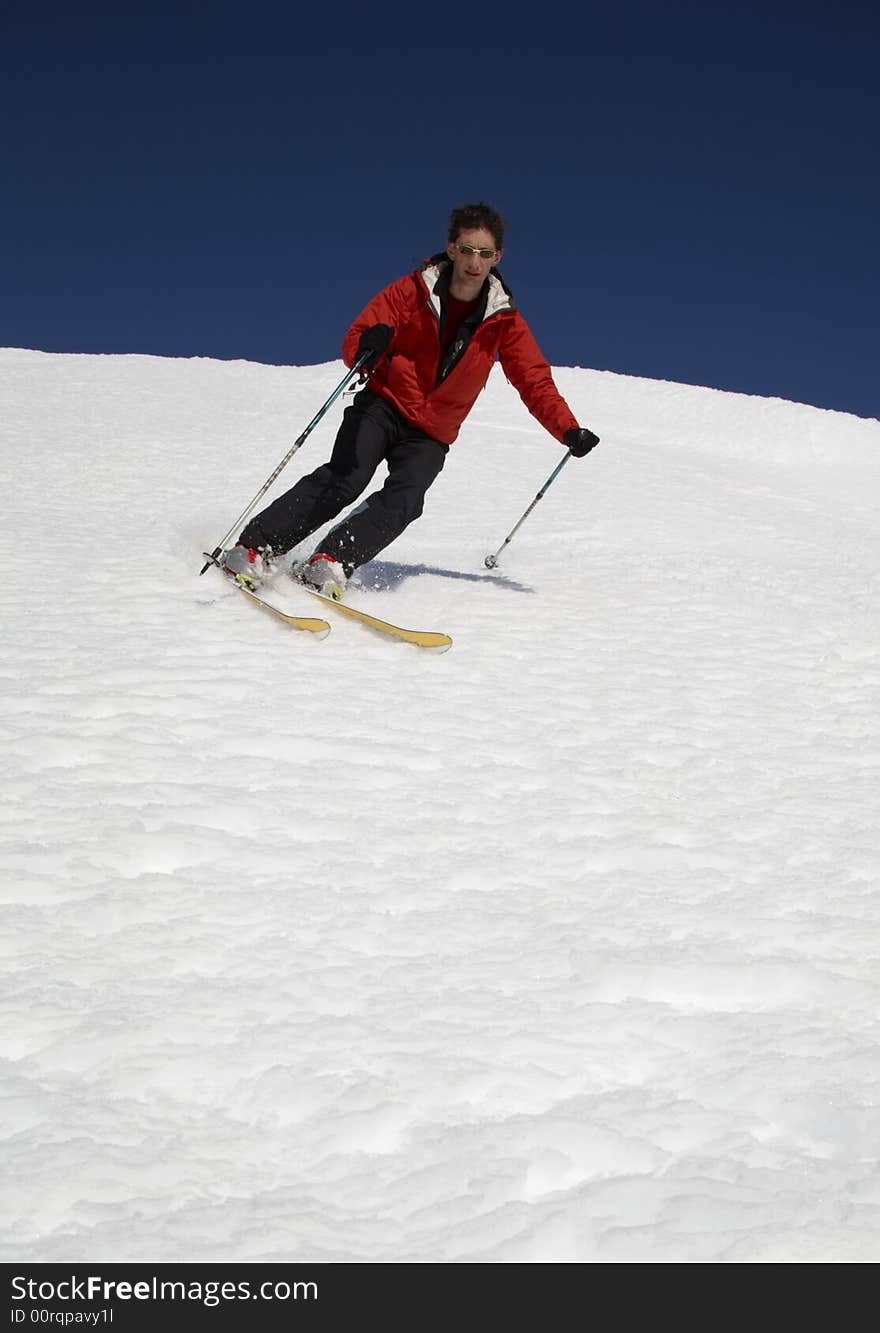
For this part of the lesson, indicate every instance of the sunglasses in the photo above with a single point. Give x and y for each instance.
(472, 250)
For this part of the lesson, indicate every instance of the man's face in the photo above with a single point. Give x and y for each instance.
(470, 268)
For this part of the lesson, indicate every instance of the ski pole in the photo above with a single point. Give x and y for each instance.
(239, 522)
(492, 560)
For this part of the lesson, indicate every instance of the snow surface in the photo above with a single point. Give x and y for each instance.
(560, 946)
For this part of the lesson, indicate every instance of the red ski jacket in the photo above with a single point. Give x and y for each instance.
(437, 397)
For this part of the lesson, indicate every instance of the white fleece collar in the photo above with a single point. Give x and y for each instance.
(498, 299)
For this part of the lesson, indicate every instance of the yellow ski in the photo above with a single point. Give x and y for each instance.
(312, 624)
(423, 638)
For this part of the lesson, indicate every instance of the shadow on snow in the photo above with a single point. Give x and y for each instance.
(383, 575)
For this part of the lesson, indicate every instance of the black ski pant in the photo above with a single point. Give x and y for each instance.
(372, 432)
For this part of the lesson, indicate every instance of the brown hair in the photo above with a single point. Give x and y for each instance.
(473, 217)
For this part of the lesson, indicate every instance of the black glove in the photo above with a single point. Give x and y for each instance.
(580, 440)
(374, 340)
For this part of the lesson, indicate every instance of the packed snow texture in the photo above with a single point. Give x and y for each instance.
(561, 946)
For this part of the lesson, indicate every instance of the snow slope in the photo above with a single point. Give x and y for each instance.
(561, 946)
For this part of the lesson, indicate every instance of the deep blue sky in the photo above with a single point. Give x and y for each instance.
(691, 190)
